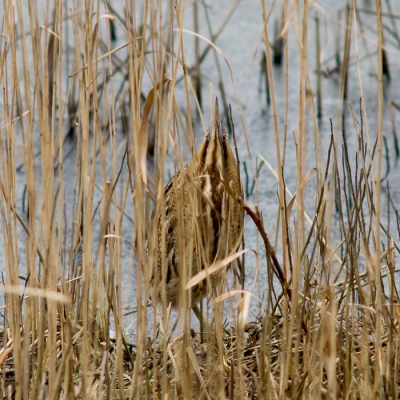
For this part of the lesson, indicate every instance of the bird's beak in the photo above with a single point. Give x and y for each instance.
(214, 157)
(217, 126)
(216, 112)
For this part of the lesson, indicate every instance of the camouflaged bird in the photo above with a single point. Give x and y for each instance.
(202, 221)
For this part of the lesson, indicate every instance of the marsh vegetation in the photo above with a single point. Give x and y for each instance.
(101, 105)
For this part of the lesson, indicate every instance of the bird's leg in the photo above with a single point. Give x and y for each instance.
(164, 321)
(201, 318)
(201, 322)
(176, 322)
(163, 317)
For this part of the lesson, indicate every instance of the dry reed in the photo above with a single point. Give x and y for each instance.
(80, 119)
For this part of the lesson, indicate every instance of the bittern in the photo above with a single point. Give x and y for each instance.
(199, 222)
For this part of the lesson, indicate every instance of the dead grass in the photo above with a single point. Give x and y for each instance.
(80, 119)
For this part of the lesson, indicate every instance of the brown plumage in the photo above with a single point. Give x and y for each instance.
(203, 223)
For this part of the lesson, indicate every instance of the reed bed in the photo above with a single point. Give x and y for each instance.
(91, 128)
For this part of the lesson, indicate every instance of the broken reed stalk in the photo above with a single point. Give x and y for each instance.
(264, 66)
(338, 40)
(258, 221)
(346, 54)
(278, 43)
(318, 58)
(394, 130)
(197, 73)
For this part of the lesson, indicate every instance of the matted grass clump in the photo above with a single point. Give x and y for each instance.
(99, 105)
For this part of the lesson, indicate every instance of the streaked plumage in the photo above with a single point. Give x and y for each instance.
(203, 222)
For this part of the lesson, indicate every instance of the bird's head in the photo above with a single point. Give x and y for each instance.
(213, 152)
